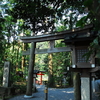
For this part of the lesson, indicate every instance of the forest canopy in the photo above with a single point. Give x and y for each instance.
(33, 17)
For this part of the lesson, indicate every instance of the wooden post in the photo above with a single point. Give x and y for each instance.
(46, 92)
(77, 86)
(40, 78)
(30, 71)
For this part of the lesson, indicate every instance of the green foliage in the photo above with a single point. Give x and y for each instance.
(59, 43)
(88, 3)
(16, 78)
(42, 15)
(92, 8)
(82, 22)
(41, 62)
(95, 47)
(36, 14)
(19, 88)
(60, 63)
(93, 15)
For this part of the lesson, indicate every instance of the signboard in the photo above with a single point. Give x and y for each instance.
(6, 74)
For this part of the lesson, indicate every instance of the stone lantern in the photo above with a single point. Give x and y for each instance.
(79, 44)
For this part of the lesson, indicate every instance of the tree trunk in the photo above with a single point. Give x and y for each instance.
(31, 70)
(23, 58)
(50, 79)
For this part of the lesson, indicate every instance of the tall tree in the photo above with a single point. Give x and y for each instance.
(37, 15)
(40, 15)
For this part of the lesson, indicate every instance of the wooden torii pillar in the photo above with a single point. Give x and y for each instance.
(30, 71)
(49, 37)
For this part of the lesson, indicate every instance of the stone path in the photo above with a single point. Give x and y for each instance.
(53, 94)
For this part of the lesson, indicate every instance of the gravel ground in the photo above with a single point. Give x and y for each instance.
(53, 94)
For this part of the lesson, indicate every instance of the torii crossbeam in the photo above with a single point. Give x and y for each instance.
(55, 36)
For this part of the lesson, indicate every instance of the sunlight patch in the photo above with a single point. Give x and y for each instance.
(68, 91)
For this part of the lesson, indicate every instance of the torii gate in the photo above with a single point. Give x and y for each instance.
(40, 73)
(49, 37)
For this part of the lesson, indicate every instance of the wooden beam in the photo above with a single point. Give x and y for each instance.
(55, 36)
(97, 68)
(52, 44)
(42, 51)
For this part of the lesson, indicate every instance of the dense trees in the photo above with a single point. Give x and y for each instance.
(53, 64)
(30, 17)
(42, 15)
